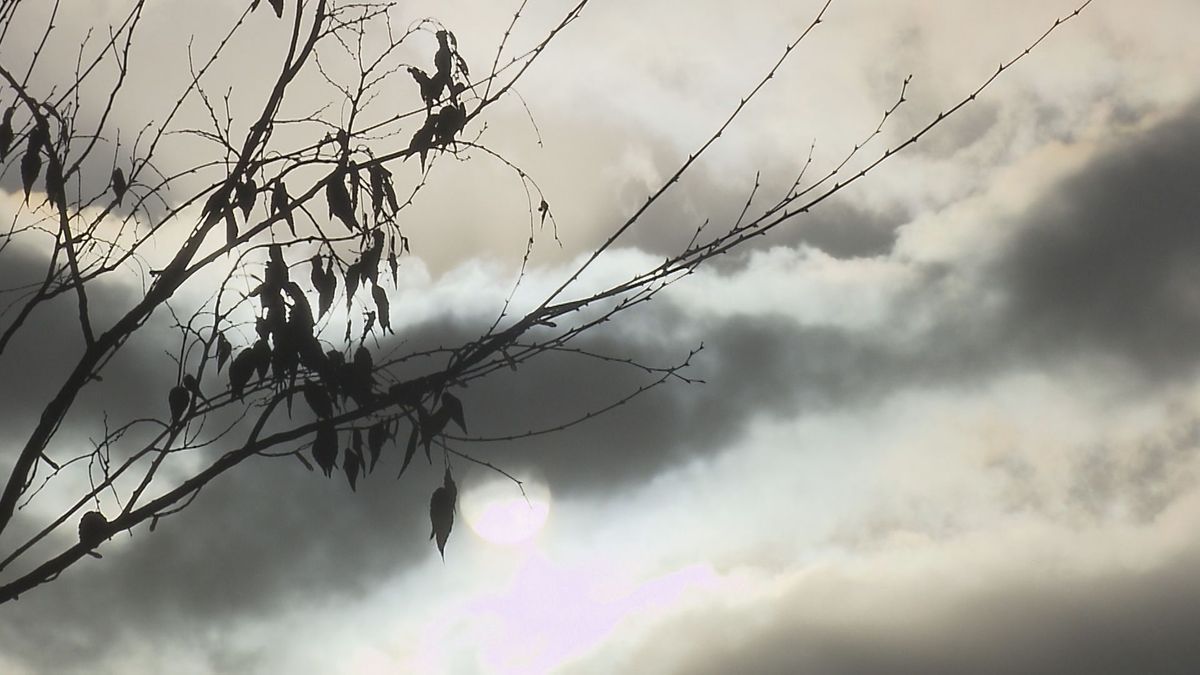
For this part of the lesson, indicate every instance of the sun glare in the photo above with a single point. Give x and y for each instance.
(498, 513)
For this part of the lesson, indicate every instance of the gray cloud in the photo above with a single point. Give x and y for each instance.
(1117, 622)
(1108, 260)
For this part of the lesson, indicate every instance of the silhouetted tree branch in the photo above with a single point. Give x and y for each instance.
(289, 225)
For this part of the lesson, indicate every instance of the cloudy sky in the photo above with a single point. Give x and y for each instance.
(950, 420)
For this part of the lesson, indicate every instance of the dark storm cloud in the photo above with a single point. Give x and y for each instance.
(1114, 623)
(270, 534)
(266, 537)
(1110, 260)
(50, 340)
(751, 367)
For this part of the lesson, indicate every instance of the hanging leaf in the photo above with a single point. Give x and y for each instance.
(441, 512)
(375, 173)
(193, 387)
(352, 464)
(544, 209)
(369, 264)
(224, 349)
(325, 450)
(280, 204)
(240, 371)
(422, 141)
(92, 527)
(31, 166)
(381, 305)
(363, 363)
(246, 193)
(277, 5)
(317, 398)
(119, 185)
(392, 264)
(353, 272)
(454, 410)
(56, 192)
(6, 133)
(443, 59)
(376, 435)
(355, 184)
(178, 399)
(277, 270)
(431, 426)
(325, 281)
(262, 357)
(449, 122)
(339, 199)
(215, 207)
(410, 449)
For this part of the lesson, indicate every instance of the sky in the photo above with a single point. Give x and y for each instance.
(950, 420)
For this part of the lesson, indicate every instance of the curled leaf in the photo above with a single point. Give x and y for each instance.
(280, 204)
(6, 133)
(246, 193)
(339, 199)
(119, 185)
(92, 528)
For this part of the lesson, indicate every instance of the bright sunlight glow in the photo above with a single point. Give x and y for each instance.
(497, 512)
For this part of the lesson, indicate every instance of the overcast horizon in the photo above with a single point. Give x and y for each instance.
(949, 423)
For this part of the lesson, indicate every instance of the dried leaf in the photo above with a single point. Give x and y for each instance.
(317, 398)
(454, 410)
(410, 449)
(353, 272)
(224, 349)
(376, 435)
(280, 204)
(381, 306)
(246, 194)
(441, 512)
(31, 166)
(240, 370)
(339, 199)
(6, 133)
(325, 449)
(179, 398)
(92, 527)
(119, 185)
(352, 465)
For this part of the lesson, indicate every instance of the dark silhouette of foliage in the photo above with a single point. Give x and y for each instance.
(253, 341)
